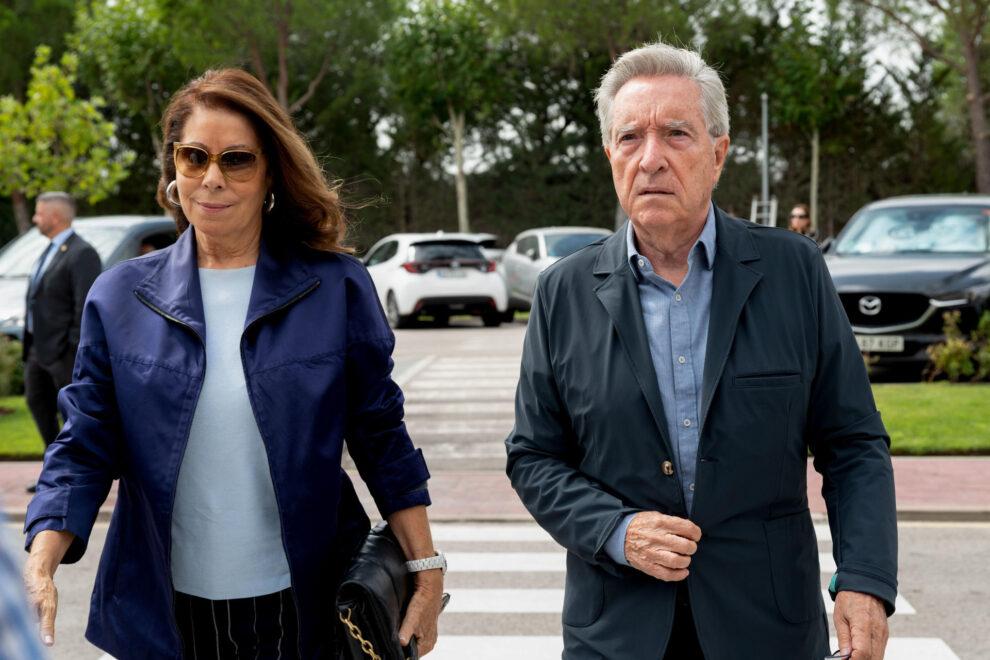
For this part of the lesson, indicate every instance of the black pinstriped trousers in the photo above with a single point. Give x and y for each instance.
(261, 628)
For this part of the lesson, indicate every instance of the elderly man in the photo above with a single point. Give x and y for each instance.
(673, 378)
(57, 289)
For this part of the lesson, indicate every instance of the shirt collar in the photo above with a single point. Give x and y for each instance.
(705, 245)
(60, 238)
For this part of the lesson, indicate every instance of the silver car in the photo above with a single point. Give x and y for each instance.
(535, 249)
(115, 238)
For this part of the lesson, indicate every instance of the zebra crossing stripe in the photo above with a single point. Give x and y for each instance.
(458, 647)
(540, 562)
(536, 601)
(446, 532)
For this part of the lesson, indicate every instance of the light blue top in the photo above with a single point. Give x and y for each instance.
(676, 320)
(226, 532)
(43, 262)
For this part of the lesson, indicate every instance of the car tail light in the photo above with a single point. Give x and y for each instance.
(488, 267)
(415, 267)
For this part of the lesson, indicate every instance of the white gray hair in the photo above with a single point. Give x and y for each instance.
(660, 59)
(63, 198)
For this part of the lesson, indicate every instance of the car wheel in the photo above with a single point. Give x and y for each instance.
(395, 319)
(509, 316)
(491, 319)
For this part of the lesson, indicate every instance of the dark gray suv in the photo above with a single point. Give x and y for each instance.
(901, 263)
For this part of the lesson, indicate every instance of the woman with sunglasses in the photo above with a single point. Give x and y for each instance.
(218, 379)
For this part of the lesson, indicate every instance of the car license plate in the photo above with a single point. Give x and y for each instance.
(881, 343)
(450, 272)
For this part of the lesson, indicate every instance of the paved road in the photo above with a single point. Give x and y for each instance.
(507, 578)
(506, 583)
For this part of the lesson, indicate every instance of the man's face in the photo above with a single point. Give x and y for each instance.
(664, 164)
(48, 218)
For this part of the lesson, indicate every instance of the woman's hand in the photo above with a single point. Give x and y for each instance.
(423, 611)
(47, 550)
(412, 529)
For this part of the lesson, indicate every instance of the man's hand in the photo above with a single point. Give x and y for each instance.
(661, 545)
(860, 625)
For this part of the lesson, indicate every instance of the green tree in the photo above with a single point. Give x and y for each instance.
(24, 25)
(964, 24)
(443, 66)
(56, 141)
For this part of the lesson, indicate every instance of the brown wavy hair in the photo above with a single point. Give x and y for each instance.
(308, 209)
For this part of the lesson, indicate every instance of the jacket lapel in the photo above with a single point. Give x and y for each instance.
(56, 260)
(280, 279)
(732, 284)
(619, 295)
(173, 288)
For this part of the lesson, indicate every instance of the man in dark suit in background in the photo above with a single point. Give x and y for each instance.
(674, 376)
(57, 289)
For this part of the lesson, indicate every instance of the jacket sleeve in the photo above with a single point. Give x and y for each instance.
(376, 436)
(852, 453)
(84, 272)
(543, 456)
(82, 462)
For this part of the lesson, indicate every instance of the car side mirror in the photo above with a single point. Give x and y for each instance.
(531, 253)
(827, 244)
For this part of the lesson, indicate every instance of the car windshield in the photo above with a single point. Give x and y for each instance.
(21, 255)
(437, 251)
(914, 229)
(561, 245)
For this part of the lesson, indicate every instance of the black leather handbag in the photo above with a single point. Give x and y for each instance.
(372, 600)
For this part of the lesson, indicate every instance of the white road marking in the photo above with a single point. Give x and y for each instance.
(551, 600)
(489, 532)
(539, 562)
(506, 562)
(458, 647)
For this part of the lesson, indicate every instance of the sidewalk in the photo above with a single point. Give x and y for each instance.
(932, 489)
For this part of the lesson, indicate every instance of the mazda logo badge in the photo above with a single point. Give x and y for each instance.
(869, 305)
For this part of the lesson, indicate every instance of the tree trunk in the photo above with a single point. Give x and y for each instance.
(22, 215)
(457, 121)
(977, 116)
(813, 196)
(282, 85)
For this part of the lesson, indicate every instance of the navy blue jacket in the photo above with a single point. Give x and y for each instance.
(782, 373)
(316, 350)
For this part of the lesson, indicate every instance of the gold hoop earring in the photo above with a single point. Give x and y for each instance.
(270, 202)
(168, 194)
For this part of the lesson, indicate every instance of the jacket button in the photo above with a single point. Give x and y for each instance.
(668, 468)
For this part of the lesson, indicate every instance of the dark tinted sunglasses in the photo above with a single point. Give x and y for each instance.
(236, 164)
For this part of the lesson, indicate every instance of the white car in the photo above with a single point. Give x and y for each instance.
(438, 275)
(115, 238)
(535, 249)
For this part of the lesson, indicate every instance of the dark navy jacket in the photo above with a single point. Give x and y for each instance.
(782, 373)
(316, 351)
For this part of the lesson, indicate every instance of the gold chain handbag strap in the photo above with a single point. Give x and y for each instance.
(356, 634)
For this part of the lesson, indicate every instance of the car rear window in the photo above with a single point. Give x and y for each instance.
(445, 251)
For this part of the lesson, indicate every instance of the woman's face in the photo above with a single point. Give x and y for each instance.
(217, 206)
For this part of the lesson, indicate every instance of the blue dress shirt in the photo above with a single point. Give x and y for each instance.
(676, 321)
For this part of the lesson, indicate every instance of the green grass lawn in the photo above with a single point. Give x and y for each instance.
(19, 438)
(935, 418)
(922, 419)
